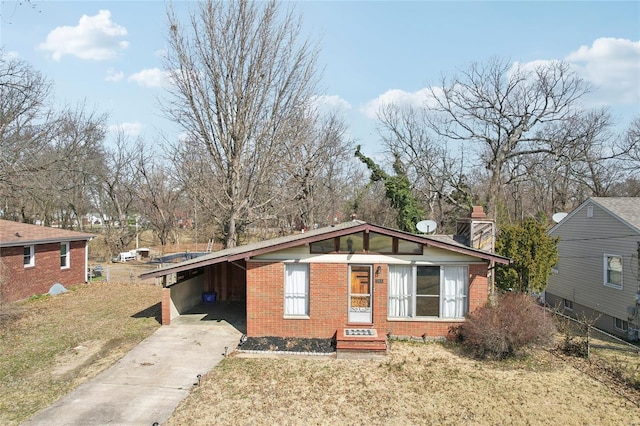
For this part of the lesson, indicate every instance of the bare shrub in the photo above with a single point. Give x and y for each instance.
(574, 341)
(505, 327)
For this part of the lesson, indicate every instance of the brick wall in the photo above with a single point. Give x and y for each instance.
(478, 286)
(24, 282)
(166, 306)
(329, 302)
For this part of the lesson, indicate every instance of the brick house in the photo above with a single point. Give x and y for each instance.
(328, 282)
(36, 257)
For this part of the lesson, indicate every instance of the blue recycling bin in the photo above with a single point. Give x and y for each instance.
(209, 297)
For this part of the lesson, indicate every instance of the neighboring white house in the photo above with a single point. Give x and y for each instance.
(597, 274)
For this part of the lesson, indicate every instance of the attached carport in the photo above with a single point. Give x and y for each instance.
(214, 278)
(222, 272)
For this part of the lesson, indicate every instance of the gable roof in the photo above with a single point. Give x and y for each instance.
(14, 234)
(626, 209)
(338, 230)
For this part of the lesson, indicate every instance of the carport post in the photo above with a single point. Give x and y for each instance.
(166, 306)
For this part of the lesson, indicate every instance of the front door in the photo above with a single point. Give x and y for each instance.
(360, 292)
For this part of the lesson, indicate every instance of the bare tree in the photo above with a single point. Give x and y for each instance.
(501, 109)
(439, 178)
(630, 148)
(115, 198)
(587, 162)
(317, 162)
(48, 159)
(78, 146)
(240, 73)
(23, 115)
(159, 194)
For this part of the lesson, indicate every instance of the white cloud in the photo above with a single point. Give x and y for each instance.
(396, 97)
(529, 68)
(151, 77)
(94, 38)
(129, 129)
(113, 75)
(613, 66)
(331, 102)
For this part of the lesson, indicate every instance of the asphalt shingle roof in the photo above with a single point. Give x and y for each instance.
(18, 234)
(626, 208)
(344, 228)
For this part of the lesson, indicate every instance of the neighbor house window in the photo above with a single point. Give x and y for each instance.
(568, 304)
(64, 255)
(296, 289)
(613, 271)
(29, 256)
(428, 291)
(621, 325)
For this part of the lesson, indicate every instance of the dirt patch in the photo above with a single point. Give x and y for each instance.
(9, 312)
(86, 360)
(67, 362)
(281, 344)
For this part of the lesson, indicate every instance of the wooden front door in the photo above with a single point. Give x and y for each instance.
(360, 292)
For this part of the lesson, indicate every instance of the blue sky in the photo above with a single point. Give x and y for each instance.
(108, 54)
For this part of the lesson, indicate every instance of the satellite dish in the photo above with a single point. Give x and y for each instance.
(557, 217)
(426, 226)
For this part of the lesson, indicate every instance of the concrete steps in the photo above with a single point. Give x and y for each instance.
(360, 340)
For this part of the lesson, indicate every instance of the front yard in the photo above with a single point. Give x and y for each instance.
(417, 384)
(60, 341)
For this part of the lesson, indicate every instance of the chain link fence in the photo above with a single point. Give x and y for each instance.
(120, 273)
(578, 337)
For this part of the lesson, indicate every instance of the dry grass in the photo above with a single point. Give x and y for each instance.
(612, 361)
(59, 342)
(611, 357)
(417, 384)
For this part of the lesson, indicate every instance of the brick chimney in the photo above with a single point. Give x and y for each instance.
(477, 212)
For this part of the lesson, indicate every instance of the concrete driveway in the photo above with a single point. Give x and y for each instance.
(147, 384)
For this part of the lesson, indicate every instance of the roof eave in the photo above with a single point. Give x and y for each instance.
(45, 241)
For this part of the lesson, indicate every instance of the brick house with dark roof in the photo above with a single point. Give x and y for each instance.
(34, 258)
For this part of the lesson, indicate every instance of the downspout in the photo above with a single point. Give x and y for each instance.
(86, 261)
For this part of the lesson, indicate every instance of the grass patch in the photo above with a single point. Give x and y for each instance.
(58, 342)
(431, 383)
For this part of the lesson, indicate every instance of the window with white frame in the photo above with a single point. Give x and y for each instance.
(428, 291)
(29, 256)
(613, 271)
(621, 325)
(65, 261)
(296, 289)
